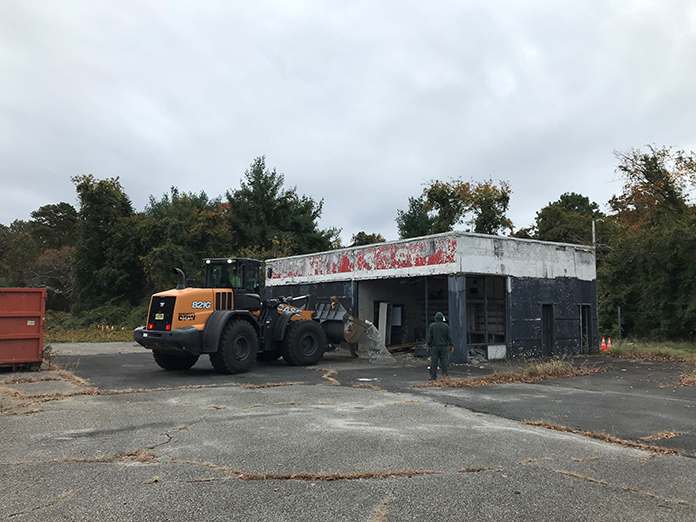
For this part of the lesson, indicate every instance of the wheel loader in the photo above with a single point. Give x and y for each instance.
(227, 320)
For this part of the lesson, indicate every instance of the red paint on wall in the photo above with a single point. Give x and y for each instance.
(374, 258)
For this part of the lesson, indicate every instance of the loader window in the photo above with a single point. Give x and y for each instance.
(229, 275)
(252, 283)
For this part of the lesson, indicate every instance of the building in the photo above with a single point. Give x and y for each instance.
(503, 297)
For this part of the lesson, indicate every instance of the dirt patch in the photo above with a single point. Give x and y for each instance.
(534, 372)
(605, 437)
(381, 510)
(477, 469)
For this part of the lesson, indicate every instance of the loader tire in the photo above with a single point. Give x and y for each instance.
(237, 348)
(174, 361)
(304, 343)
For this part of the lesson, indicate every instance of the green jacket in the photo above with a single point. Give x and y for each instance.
(439, 332)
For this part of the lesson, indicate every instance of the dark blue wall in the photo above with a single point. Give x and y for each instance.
(566, 295)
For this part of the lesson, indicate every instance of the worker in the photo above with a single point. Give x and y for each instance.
(439, 342)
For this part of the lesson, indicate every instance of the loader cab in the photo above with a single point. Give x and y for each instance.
(240, 275)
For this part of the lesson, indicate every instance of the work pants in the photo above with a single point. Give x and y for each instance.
(439, 355)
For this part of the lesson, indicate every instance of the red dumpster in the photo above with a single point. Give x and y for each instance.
(22, 321)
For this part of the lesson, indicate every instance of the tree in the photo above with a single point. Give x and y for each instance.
(443, 205)
(568, 220)
(53, 226)
(262, 211)
(53, 270)
(102, 204)
(415, 221)
(179, 230)
(649, 269)
(18, 252)
(489, 204)
(362, 238)
(655, 185)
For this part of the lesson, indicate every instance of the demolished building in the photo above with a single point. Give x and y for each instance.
(503, 297)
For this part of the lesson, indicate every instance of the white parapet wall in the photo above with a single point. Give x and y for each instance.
(442, 254)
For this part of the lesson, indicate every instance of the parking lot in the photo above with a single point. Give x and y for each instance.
(346, 440)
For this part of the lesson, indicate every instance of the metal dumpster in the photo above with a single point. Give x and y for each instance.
(22, 321)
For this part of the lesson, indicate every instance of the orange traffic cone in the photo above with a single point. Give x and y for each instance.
(604, 345)
(609, 344)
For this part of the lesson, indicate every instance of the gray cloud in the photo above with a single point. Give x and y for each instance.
(358, 103)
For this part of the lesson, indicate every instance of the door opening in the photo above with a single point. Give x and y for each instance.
(547, 330)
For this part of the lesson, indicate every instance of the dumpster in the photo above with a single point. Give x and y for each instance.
(22, 321)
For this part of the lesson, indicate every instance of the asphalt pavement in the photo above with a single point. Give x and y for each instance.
(346, 440)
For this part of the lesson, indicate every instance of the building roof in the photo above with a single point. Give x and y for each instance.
(441, 254)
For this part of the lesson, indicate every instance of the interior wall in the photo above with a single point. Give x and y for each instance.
(409, 292)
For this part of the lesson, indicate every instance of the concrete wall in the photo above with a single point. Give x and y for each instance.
(442, 254)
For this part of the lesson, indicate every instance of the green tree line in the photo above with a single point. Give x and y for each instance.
(104, 253)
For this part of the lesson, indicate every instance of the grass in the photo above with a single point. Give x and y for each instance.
(655, 350)
(87, 335)
(533, 372)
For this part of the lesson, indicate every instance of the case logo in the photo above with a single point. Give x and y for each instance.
(283, 307)
(201, 305)
(187, 317)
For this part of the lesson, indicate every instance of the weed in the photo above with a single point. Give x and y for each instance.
(66, 496)
(687, 379)
(477, 469)
(140, 455)
(269, 385)
(533, 372)
(667, 434)
(369, 387)
(605, 437)
(652, 495)
(581, 477)
(327, 374)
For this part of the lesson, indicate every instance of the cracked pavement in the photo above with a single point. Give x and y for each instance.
(322, 451)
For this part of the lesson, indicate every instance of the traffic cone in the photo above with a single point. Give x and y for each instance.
(604, 345)
(609, 344)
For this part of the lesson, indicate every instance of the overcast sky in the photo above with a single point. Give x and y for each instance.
(356, 102)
